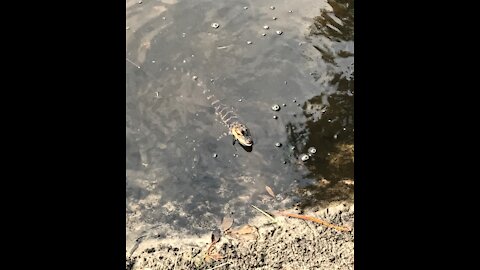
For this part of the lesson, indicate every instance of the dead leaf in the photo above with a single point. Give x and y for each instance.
(215, 236)
(246, 229)
(270, 191)
(210, 251)
(226, 223)
(216, 257)
(317, 220)
(246, 232)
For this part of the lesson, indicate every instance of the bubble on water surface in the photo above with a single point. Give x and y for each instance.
(275, 107)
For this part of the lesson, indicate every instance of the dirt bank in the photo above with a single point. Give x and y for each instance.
(289, 243)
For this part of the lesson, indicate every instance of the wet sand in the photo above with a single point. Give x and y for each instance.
(289, 243)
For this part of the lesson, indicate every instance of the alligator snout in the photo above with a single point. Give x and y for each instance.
(247, 142)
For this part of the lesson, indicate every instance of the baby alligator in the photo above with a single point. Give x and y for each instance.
(240, 131)
(236, 128)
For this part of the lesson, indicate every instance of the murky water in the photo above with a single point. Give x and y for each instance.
(183, 173)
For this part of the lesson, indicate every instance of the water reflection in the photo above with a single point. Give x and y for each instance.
(330, 121)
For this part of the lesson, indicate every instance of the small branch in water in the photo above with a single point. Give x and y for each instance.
(133, 63)
(317, 220)
(223, 47)
(265, 213)
(135, 246)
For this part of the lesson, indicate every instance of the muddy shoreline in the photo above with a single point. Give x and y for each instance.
(289, 243)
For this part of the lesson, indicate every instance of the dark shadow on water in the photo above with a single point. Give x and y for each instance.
(330, 122)
(244, 147)
(247, 148)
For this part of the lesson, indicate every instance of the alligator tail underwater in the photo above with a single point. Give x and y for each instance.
(228, 117)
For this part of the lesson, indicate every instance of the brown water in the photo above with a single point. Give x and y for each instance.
(174, 183)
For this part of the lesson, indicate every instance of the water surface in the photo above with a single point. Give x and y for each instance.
(174, 183)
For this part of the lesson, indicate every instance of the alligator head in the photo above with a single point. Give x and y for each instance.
(241, 133)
